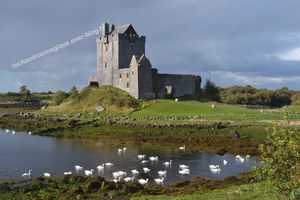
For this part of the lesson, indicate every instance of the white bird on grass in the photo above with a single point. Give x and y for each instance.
(159, 181)
(27, 175)
(143, 181)
(68, 173)
(168, 163)
(47, 175)
(146, 170)
(77, 167)
(89, 172)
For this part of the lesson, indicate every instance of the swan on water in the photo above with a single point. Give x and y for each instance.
(162, 173)
(225, 162)
(47, 175)
(77, 167)
(153, 158)
(135, 172)
(159, 181)
(27, 175)
(146, 170)
(141, 156)
(68, 173)
(143, 181)
(89, 172)
(168, 163)
(100, 167)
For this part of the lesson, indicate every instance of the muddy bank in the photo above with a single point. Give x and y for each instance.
(214, 138)
(78, 187)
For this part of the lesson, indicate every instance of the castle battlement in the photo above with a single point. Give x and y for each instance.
(122, 63)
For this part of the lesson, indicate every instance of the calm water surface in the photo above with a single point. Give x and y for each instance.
(21, 152)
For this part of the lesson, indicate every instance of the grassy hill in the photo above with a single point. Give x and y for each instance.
(113, 99)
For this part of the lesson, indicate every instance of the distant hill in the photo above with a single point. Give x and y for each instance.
(112, 99)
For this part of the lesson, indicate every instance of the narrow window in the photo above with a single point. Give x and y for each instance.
(120, 76)
(127, 75)
(127, 85)
(105, 64)
(106, 48)
(132, 72)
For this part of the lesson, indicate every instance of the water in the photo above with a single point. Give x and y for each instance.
(21, 152)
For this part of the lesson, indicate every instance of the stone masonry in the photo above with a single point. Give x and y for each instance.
(122, 63)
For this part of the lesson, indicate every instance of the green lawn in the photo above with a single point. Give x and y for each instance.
(259, 191)
(188, 108)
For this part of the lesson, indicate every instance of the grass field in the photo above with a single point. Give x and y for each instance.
(188, 108)
(256, 191)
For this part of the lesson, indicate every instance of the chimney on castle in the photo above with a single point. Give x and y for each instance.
(105, 29)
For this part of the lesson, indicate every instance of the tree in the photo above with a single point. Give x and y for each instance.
(59, 97)
(24, 91)
(211, 91)
(280, 158)
(73, 92)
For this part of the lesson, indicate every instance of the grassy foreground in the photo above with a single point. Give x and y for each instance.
(261, 191)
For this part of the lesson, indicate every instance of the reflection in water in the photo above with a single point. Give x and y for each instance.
(22, 152)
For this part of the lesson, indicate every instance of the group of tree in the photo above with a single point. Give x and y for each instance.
(61, 96)
(248, 95)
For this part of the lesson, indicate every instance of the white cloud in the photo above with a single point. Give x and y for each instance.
(290, 55)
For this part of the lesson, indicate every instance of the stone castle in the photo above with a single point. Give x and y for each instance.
(122, 63)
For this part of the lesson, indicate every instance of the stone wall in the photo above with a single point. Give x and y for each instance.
(179, 84)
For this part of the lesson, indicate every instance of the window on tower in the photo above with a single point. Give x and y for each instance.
(127, 85)
(120, 76)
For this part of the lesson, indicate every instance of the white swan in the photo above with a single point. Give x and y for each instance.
(214, 168)
(29, 133)
(183, 166)
(27, 175)
(153, 158)
(68, 173)
(124, 149)
(120, 150)
(159, 181)
(141, 156)
(135, 172)
(13, 132)
(146, 170)
(168, 163)
(144, 161)
(128, 179)
(100, 167)
(184, 172)
(109, 164)
(182, 148)
(162, 173)
(77, 167)
(47, 175)
(89, 172)
(143, 181)
(225, 162)
(240, 158)
(7, 130)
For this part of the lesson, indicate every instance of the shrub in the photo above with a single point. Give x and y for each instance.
(59, 97)
(280, 158)
(296, 98)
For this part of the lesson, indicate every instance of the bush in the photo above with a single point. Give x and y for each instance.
(280, 158)
(211, 91)
(59, 97)
(296, 98)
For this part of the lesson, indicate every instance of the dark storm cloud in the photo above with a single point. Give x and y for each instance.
(229, 41)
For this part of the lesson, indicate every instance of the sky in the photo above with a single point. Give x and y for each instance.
(231, 42)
